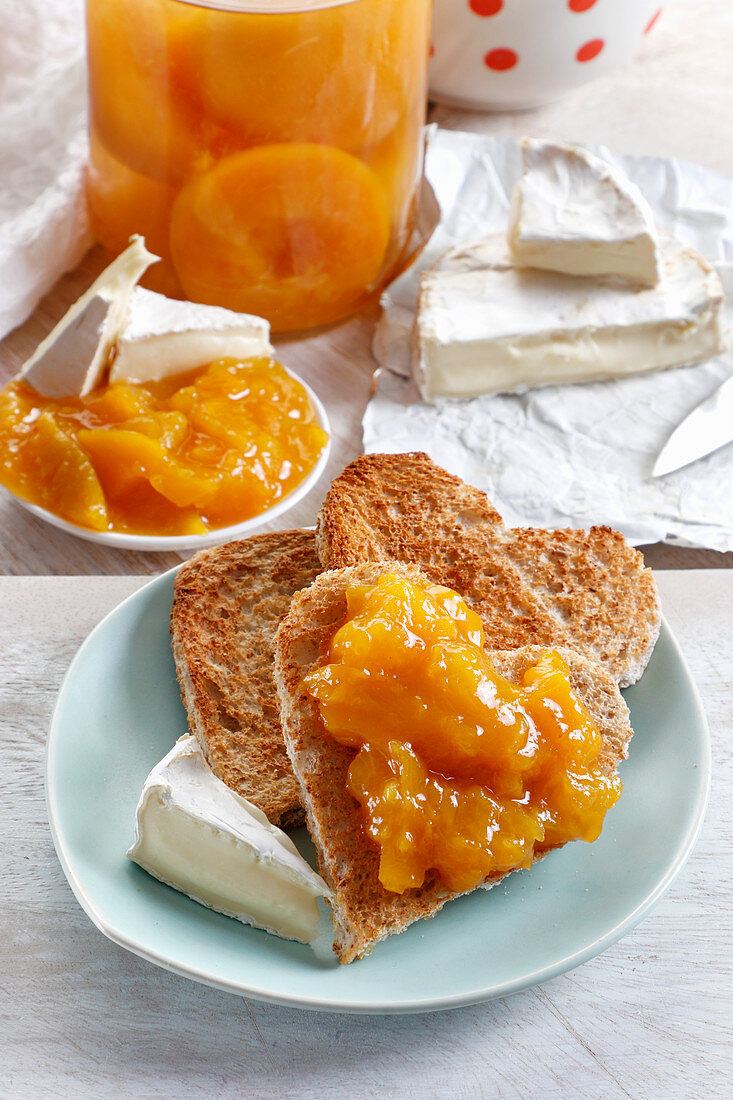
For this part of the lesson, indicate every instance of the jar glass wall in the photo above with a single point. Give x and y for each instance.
(269, 152)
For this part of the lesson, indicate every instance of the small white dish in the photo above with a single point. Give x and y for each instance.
(124, 541)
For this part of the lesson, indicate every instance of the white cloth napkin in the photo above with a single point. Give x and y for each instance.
(44, 226)
(564, 455)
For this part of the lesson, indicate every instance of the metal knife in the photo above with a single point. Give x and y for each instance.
(703, 431)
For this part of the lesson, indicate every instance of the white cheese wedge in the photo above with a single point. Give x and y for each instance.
(198, 836)
(165, 337)
(485, 326)
(574, 213)
(73, 357)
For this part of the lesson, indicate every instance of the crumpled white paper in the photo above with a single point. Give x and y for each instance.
(44, 226)
(564, 455)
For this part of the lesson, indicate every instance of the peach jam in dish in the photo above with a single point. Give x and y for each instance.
(173, 457)
(457, 770)
(270, 151)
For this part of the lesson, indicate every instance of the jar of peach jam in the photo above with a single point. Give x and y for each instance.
(268, 150)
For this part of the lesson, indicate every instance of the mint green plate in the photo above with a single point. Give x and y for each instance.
(119, 712)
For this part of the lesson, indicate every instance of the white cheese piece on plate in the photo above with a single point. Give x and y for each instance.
(486, 326)
(165, 337)
(197, 835)
(73, 357)
(574, 213)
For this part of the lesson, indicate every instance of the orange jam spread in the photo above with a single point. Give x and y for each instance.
(174, 457)
(457, 769)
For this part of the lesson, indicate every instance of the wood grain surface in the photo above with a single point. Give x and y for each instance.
(674, 99)
(80, 1017)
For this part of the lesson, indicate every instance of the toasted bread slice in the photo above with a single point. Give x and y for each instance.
(598, 587)
(364, 912)
(585, 589)
(227, 604)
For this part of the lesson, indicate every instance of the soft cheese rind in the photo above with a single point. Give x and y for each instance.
(74, 356)
(195, 834)
(486, 326)
(165, 337)
(574, 213)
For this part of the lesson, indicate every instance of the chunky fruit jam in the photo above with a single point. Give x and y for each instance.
(270, 155)
(457, 769)
(175, 457)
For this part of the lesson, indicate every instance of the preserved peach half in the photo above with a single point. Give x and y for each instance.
(113, 404)
(176, 88)
(296, 233)
(122, 202)
(123, 457)
(143, 103)
(153, 514)
(339, 76)
(397, 163)
(50, 469)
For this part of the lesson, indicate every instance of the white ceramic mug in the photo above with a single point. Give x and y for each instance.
(515, 54)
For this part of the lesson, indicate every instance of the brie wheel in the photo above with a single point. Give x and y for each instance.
(486, 326)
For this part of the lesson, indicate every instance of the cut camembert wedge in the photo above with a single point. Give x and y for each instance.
(139, 335)
(576, 214)
(198, 836)
(74, 356)
(164, 336)
(485, 326)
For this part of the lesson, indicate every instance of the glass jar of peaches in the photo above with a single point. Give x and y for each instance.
(269, 151)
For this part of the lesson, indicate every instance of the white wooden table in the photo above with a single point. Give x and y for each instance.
(649, 1018)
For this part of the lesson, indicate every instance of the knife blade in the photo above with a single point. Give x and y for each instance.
(707, 428)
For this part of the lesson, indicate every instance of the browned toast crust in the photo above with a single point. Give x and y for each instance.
(364, 912)
(597, 585)
(585, 589)
(227, 604)
(392, 506)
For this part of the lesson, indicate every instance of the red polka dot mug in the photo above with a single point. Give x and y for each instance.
(515, 54)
